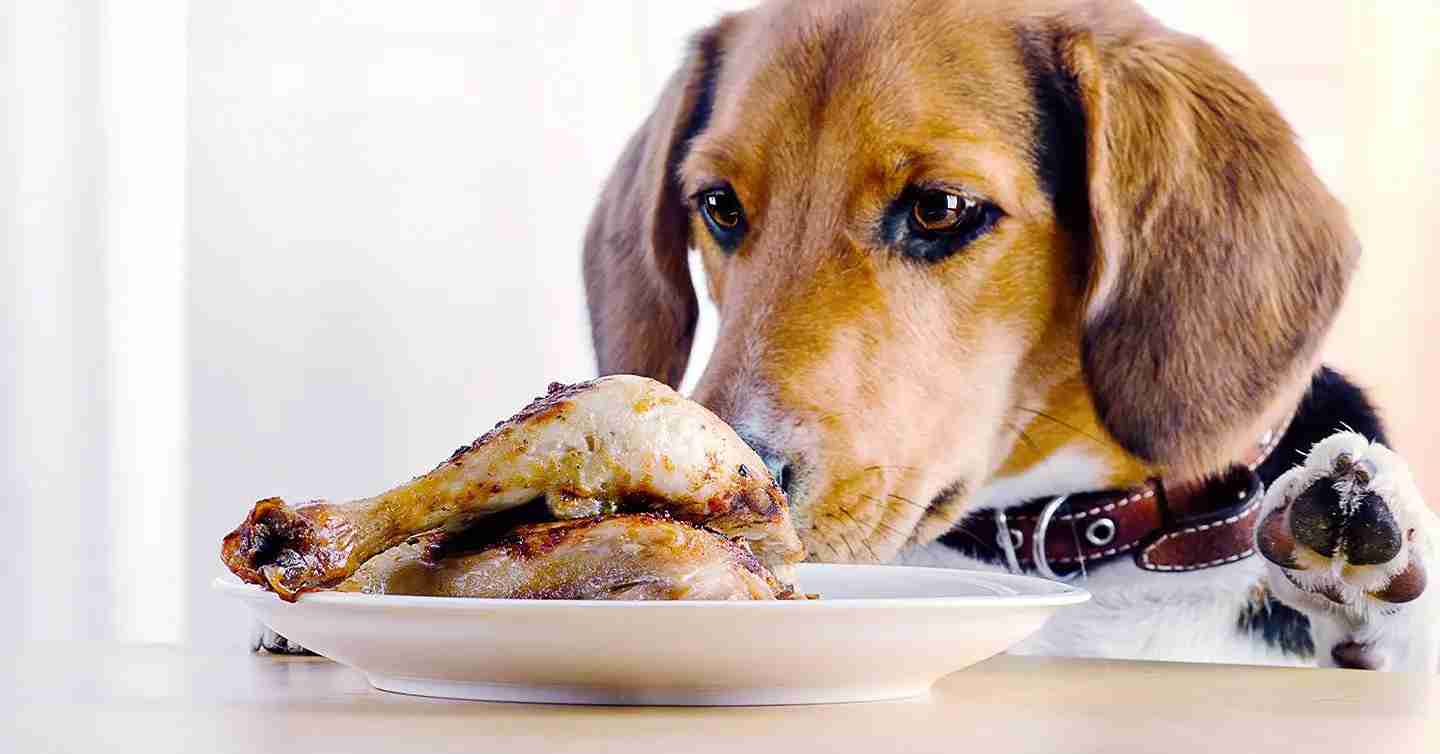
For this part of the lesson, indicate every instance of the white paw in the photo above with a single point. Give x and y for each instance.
(1348, 539)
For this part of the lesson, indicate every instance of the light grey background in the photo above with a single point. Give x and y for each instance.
(306, 248)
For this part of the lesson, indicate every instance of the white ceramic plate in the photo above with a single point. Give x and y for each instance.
(878, 632)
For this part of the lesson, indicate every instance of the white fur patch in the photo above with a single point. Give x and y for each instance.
(1133, 614)
(1143, 615)
(1069, 469)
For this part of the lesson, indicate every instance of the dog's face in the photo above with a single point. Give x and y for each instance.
(966, 253)
(900, 288)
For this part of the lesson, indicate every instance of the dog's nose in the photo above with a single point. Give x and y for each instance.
(776, 462)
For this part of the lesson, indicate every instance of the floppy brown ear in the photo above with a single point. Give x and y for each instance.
(1217, 259)
(637, 278)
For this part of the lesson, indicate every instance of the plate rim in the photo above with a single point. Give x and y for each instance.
(1056, 594)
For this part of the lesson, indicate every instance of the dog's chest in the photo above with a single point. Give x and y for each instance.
(1144, 615)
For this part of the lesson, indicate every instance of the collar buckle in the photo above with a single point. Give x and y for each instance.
(1042, 528)
(1008, 540)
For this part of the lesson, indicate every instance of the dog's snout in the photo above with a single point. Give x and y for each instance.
(777, 462)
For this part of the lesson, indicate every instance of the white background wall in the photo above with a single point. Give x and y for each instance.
(306, 248)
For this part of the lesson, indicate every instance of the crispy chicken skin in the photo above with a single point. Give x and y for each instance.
(617, 443)
(640, 556)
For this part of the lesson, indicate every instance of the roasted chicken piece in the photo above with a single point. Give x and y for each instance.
(621, 443)
(639, 556)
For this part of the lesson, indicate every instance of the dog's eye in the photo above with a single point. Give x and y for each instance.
(932, 223)
(723, 215)
(722, 208)
(939, 212)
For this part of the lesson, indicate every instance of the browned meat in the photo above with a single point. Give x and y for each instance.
(617, 443)
(622, 557)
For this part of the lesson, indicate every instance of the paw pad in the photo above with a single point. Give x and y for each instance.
(1317, 518)
(1371, 535)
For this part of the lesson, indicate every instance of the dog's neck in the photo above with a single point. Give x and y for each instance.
(1064, 450)
(1059, 447)
(1179, 524)
(1070, 471)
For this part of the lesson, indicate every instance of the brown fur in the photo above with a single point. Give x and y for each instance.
(1153, 306)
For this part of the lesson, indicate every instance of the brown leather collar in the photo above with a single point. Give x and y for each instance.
(1179, 527)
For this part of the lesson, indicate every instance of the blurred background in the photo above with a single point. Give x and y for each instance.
(307, 247)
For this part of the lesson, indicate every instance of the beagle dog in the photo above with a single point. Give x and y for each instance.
(1037, 286)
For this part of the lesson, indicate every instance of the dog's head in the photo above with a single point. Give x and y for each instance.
(967, 252)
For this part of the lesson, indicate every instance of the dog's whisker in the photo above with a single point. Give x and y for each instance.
(896, 533)
(891, 468)
(1024, 437)
(830, 417)
(859, 528)
(848, 544)
(971, 535)
(923, 511)
(1062, 423)
(844, 539)
(824, 541)
(907, 501)
(863, 539)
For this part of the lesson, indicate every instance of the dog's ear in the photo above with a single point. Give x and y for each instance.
(642, 304)
(1216, 258)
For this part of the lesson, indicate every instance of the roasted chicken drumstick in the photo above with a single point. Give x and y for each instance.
(620, 443)
(635, 556)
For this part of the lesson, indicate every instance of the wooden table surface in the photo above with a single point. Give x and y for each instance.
(98, 697)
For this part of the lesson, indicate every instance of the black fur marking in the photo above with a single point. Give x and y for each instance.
(1277, 625)
(707, 49)
(1331, 405)
(944, 495)
(1058, 148)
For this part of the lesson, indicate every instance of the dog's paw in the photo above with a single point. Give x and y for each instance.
(262, 639)
(1348, 540)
